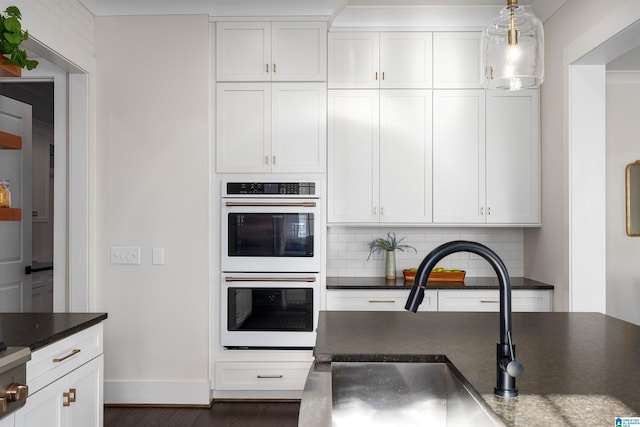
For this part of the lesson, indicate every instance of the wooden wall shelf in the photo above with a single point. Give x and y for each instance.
(10, 214)
(10, 141)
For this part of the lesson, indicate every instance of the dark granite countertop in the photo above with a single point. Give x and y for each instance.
(353, 283)
(580, 368)
(36, 330)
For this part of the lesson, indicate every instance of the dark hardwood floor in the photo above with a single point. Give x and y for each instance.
(221, 414)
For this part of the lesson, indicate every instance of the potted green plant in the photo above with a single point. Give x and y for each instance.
(389, 245)
(12, 37)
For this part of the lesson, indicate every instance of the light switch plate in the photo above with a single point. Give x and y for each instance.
(125, 255)
(157, 256)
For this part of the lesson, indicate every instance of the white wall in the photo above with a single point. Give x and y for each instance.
(546, 250)
(152, 191)
(623, 269)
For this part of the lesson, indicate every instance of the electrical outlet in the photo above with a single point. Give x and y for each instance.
(157, 256)
(125, 255)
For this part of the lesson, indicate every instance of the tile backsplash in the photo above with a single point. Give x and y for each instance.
(347, 249)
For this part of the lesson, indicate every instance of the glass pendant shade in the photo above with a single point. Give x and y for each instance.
(512, 50)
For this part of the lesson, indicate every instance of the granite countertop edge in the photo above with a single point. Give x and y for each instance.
(476, 283)
(37, 330)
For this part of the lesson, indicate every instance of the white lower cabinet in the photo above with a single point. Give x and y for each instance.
(489, 300)
(7, 421)
(438, 300)
(261, 375)
(65, 383)
(382, 300)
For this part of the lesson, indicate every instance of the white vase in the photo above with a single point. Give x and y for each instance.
(390, 265)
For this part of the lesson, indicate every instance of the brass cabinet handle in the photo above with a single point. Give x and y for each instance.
(274, 160)
(489, 302)
(72, 395)
(73, 353)
(274, 68)
(276, 204)
(376, 75)
(269, 279)
(390, 301)
(65, 399)
(267, 67)
(383, 75)
(262, 377)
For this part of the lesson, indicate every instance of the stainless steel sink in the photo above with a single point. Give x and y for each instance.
(407, 394)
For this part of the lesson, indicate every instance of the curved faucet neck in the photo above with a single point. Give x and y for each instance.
(430, 261)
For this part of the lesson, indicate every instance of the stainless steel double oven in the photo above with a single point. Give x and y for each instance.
(270, 262)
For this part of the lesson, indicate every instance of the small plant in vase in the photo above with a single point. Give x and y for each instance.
(389, 245)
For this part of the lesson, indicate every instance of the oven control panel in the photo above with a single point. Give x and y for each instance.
(307, 189)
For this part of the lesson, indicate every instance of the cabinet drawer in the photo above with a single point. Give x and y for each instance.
(261, 376)
(58, 359)
(382, 300)
(489, 300)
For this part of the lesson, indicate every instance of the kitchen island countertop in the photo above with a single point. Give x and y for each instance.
(353, 283)
(580, 368)
(37, 330)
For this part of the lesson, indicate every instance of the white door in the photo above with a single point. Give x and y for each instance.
(354, 139)
(299, 127)
(299, 51)
(405, 60)
(15, 236)
(513, 158)
(354, 60)
(405, 156)
(458, 156)
(243, 127)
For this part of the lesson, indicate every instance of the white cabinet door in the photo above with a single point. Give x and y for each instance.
(299, 127)
(380, 60)
(354, 60)
(265, 127)
(405, 59)
(243, 127)
(265, 51)
(44, 408)
(456, 60)
(458, 156)
(85, 386)
(243, 51)
(299, 51)
(7, 421)
(405, 156)
(513, 158)
(74, 400)
(353, 141)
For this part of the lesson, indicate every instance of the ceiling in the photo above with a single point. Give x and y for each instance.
(264, 7)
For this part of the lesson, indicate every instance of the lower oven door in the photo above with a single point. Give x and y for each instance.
(269, 310)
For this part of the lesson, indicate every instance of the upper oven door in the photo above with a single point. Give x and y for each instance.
(270, 235)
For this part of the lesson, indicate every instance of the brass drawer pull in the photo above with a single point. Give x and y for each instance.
(390, 301)
(262, 377)
(65, 399)
(488, 302)
(73, 353)
(72, 395)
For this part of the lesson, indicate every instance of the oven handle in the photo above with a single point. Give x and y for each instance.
(269, 279)
(277, 204)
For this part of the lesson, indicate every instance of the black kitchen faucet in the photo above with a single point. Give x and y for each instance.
(507, 367)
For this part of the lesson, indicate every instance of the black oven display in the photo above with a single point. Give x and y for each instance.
(270, 234)
(270, 309)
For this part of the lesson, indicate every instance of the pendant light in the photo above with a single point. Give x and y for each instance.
(512, 50)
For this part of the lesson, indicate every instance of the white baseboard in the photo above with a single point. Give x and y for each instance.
(157, 393)
(257, 394)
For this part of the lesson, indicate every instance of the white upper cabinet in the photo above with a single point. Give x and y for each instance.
(380, 156)
(513, 157)
(271, 127)
(371, 60)
(486, 173)
(271, 51)
(458, 156)
(456, 60)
